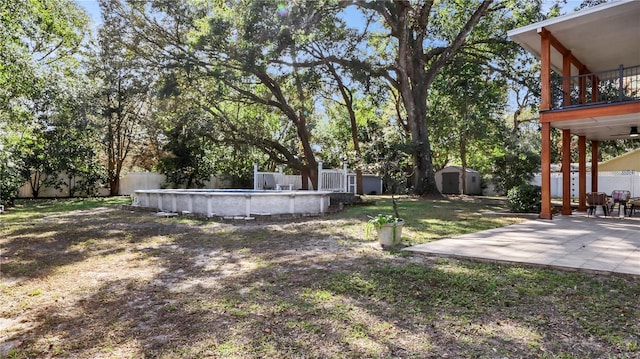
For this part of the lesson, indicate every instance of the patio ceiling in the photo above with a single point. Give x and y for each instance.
(602, 128)
(601, 38)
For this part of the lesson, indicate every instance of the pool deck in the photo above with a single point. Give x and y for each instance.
(576, 242)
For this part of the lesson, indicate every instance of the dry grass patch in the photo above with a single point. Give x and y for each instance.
(92, 281)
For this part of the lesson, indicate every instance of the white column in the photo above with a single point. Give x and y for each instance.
(319, 175)
(247, 204)
(345, 180)
(322, 198)
(255, 175)
(292, 203)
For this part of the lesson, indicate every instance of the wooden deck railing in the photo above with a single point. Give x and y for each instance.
(611, 86)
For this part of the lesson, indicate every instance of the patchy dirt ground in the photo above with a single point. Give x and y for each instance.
(106, 283)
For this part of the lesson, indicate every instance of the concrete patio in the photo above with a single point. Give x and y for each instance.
(577, 242)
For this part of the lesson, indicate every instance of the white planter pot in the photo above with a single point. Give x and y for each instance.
(390, 231)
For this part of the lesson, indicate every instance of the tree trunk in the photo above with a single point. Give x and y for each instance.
(309, 173)
(114, 186)
(35, 184)
(413, 84)
(415, 102)
(414, 71)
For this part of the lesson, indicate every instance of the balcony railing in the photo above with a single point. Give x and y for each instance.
(619, 85)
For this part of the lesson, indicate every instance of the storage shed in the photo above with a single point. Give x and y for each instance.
(449, 181)
(371, 184)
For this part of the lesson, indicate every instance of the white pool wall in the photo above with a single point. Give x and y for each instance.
(233, 203)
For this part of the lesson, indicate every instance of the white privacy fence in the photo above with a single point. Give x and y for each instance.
(133, 181)
(607, 182)
(64, 188)
(129, 183)
(140, 180)
(336, 180)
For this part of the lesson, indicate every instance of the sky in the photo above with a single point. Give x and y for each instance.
(92, 8)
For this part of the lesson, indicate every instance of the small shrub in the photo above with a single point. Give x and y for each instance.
(524, 198)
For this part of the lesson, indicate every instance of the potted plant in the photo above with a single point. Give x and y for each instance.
(389, 228)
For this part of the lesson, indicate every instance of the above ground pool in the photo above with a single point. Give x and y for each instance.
(233, 202)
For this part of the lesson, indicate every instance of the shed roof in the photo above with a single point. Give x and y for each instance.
(458, 168)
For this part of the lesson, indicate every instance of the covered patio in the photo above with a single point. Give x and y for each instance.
(594, 92)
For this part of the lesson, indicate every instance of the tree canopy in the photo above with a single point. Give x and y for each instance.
(193, 88)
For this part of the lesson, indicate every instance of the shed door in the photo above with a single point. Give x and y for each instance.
(451, 183)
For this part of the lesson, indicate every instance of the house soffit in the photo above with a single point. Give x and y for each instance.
(602, 37)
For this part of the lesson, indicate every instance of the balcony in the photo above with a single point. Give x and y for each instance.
(597, 88)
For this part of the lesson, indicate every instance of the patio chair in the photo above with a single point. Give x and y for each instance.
(619, 197)
(595, 199)
(633, 205)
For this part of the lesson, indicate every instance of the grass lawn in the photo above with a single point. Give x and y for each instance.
(83, 279)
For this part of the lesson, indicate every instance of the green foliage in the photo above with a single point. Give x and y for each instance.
(387, 152)
(39, 79)
(467, 108)
(524, 198)
(514, 164)
(38, 41)
(378, 220)
(252, 82)
(122, 95)
(10, 178)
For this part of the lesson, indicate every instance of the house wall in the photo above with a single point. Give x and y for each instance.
(626, 162)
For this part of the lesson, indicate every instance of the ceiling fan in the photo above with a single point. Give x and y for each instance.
(633, 133)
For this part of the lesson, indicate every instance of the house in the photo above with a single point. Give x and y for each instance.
(596, 93)
(449, 181)
(630, 161)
